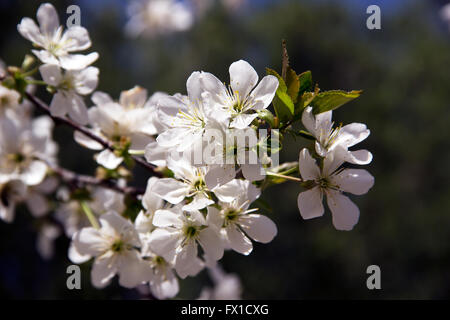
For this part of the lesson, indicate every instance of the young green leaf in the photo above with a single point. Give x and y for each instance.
(331, 100)
(293, 84)
(306, 83)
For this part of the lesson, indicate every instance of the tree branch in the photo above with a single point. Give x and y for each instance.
(105, 143)
(82, 180)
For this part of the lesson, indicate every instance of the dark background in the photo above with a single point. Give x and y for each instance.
(403, 69)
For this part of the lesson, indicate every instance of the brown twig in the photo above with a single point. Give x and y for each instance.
(82, 180)
(105, 143)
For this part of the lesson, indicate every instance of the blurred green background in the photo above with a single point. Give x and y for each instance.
(403, 69)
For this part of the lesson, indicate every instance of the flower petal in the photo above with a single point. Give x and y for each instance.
(59, 105)
(265, 91)
(211, 243)
(345, 212)
(48, 19)
(310, 203)
(238, 241)
(108, 159)
(171, 190)
(103, 270)
(258, 227)
(242, 121)
(243, 78)
(356, 181)
(307, 166)
(77, 39)
(29, 30)
(77, 61)
(51, 74)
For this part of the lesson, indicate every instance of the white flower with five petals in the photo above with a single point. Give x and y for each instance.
(332, 182)
(55, 45)
(329, 138)
(70, 86)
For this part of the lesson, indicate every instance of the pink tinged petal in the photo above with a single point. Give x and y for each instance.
(86, 80)
(86, 141)
(310, 203)
(77, 109)
(242, 121)
(77, 257)
(171, 190)
(307, 166)
(132, 269)
(48, 19)
(258, 227)
(108, 159)
(167, 218)
(360, 157)
(356, 181)
(134, 97)
(352, 134)
(103, 270)
(77, 61)
(238, 241)
(309, 121)
(59, 105)
(45, 57)
(101, 98)
(77, 39)
(345, 212)
(89, 242)
(51, 74)
(253, 172)
(265, 91)
(29, 30)
(165, 242)
(34, 173)
(243, 78)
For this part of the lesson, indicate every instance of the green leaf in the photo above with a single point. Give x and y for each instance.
(306, 135)
(293, 84)
(306, 83)
(331, 100)
(266, 115)
(282, 85)
(282, 102)
(284, 107)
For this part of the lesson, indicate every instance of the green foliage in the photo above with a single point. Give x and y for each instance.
(331, 100)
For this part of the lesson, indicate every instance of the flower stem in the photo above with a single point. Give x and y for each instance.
(89, 214)
(283, 176)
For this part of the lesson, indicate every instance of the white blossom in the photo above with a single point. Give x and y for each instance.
(226, 286)
(133, 118)
(114, 247)
(71, 85)
(237, 220)
(188, 182)
(157, 17)
(24, 150)
(177, 236)
(56, 46)
(329, 138)
(241, 100)
(332, 182)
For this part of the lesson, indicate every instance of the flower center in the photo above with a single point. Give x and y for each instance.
(230, 216)
(190, 232)
(118, 245)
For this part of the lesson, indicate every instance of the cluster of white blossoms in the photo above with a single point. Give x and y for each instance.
(203, 150)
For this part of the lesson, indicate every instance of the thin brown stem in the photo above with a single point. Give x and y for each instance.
(80, 180)
(105, 143)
